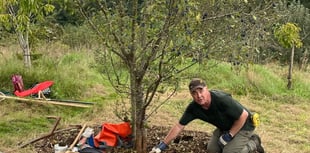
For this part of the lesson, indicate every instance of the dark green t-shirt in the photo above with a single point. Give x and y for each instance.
(222, 113)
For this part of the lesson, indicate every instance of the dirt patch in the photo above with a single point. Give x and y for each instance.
(188, 141)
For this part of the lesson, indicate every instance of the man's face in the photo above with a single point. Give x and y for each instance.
(201, 96)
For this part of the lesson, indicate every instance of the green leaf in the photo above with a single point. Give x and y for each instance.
(288, 35)
(49, 8)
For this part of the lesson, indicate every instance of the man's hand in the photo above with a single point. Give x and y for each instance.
(161, 147)
(225, 138)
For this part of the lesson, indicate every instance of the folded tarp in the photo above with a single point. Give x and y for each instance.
(109, 133)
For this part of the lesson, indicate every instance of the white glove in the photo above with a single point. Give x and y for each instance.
(162, 146)
(155, 150)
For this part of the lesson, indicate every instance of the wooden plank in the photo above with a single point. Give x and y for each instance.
(42, 101)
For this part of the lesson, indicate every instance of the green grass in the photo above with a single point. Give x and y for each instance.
(262, 88)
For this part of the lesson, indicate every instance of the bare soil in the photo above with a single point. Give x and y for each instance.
(188, 141)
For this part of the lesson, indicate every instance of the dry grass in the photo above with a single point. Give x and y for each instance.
(6, 53)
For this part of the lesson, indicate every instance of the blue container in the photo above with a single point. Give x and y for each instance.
(90, 141)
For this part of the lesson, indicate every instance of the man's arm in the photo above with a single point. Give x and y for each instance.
(238, 124)
(173, 133)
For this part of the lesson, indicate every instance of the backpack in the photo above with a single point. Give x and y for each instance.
(17, 81)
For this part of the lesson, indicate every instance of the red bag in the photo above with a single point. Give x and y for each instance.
(110, 133)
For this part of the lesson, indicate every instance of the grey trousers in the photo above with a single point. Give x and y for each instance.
(239, 144)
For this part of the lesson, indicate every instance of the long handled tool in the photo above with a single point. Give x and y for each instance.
(76, 139)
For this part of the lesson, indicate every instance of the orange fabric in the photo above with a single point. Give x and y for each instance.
(39, 87)
(109, 132)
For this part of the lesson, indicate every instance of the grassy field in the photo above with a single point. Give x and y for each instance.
(262, 88)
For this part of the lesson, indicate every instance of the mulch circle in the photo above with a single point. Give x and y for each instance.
(187, 141)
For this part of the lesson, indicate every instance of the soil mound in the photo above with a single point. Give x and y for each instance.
(188, 141)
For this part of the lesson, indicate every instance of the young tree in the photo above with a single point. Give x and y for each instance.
(300, 15)
(20, 15)
(144, 42)
(288, 37)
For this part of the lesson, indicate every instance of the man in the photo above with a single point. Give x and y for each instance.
(234, 124)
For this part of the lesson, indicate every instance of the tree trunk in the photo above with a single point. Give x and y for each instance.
(304, 60)
(24, 44)
(138, 114)
(289, 77)
(23, 38)
(141, 144)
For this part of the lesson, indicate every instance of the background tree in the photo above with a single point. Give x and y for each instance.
(306, 3)
(20, 16)
(301, 16)
(242, 31)
(288, 37)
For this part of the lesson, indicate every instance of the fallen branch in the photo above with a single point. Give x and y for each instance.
(67, 129)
